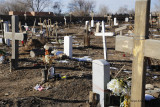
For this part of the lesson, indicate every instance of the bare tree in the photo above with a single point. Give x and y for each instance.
(36, 5)
(123, 10)
(81, 7)
(12, 5)
(103, 10)
(57, 8)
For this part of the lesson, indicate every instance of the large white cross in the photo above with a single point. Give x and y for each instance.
(103, 34)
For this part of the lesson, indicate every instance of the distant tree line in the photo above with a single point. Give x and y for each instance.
(75, 7)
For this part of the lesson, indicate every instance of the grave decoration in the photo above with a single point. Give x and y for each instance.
(121, 88)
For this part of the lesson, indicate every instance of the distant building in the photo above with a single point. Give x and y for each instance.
(31, 13)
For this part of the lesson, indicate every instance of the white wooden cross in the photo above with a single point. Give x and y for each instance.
(140, 47)
(103, 34)
(15, 37)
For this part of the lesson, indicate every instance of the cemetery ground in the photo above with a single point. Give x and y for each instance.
(17, 87)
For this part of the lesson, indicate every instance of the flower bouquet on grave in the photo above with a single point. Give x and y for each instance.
(121, 88)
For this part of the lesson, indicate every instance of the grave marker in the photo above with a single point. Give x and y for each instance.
(68, 46)
(6, 29)
(126, 19)
(141, 48)
(115, 22)
(100, 78)
(65, 21)
(15, 37)
(87, 37)
(92, 21)
(103, 34)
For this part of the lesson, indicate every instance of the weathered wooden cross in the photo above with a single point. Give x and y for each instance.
(103, 34)
(140, 47)
(15, 37)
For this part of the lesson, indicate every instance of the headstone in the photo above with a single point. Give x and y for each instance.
(100, 78)
(126, 19)
(115, 22)
(92, 23)
(68, 46)
(6, 29)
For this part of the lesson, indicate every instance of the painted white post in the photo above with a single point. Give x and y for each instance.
(126, 19)
(100, 78)
(68, 46)
(6, 29)
(115, 22)
(92, 23)
(104, 41)
(86, 23)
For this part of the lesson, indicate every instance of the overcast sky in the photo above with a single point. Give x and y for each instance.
(113, 5)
